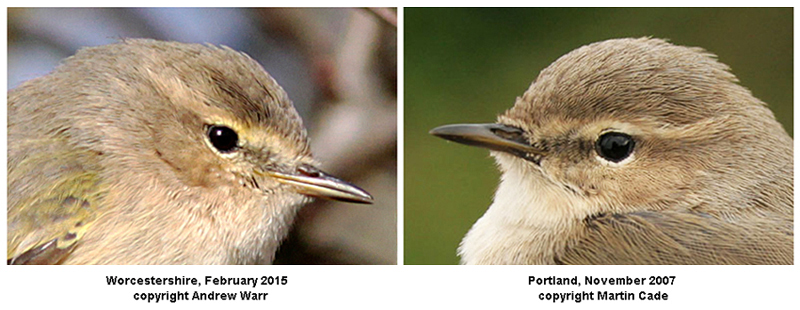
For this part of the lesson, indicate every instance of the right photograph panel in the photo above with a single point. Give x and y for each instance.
(598, 136)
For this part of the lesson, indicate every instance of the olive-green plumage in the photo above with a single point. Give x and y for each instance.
(150, 152)
(635, 151)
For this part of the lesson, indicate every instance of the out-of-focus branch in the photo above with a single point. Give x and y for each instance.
(366, 117)
(387, 15)
(355, 138)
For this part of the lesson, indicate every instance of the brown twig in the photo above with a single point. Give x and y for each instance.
(387, 15)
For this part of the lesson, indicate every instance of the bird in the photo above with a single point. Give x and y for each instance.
(157, 152)
(634, 151)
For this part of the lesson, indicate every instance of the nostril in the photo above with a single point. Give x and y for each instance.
(309, 170)
(509, 133)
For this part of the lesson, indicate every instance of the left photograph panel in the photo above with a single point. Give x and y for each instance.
(202, 136)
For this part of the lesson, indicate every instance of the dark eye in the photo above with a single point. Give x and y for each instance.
(615, 146)
(223, 138)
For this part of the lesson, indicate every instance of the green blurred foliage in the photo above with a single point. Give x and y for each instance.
(469, 65)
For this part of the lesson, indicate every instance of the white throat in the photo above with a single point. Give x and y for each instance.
(521, 225)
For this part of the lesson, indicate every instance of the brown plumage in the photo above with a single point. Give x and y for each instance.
(635, 151)
(150, 152)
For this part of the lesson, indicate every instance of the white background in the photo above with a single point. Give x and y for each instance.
(404, 287)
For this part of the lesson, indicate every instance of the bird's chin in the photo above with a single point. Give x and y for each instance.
(281, 200)
(293, 200)
(508, 162)
(303, 200)
(528, 210)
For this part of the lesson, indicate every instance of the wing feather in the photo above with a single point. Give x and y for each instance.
(672, 237)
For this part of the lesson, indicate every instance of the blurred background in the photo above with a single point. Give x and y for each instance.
(469, 65)
(339, 66)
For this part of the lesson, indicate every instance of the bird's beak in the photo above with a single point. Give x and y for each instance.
(495, 137)
(311, 181)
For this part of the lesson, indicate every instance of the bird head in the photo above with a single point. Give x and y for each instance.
(631, 124)
(219, 121)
